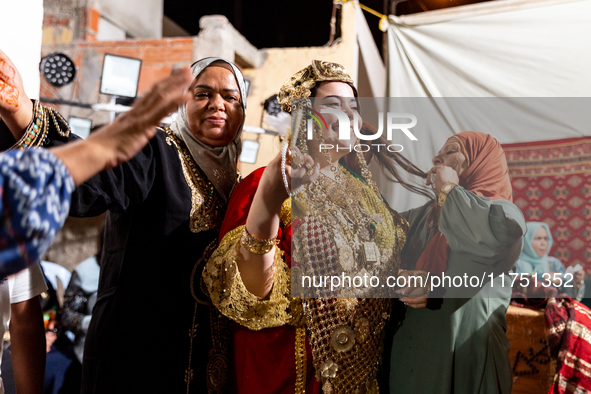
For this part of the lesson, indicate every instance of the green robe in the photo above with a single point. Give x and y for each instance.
(462, 347)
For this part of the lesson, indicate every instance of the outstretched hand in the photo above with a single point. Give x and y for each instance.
(15, 107)
(130, 132)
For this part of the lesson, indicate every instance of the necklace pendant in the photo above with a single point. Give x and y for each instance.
(371, 253)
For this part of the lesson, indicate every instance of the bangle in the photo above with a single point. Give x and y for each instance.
(256, 245)
(36, 132)
(445, 189)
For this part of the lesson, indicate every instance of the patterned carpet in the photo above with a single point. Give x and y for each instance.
(552, 183)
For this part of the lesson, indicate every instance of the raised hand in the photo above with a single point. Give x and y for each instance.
(128, 134)
(10, 84)
(15, 107)
(443, 174)
(301, 170)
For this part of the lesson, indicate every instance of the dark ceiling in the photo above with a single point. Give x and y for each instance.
(280, 23)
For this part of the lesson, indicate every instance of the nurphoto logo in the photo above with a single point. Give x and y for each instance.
(393, 124)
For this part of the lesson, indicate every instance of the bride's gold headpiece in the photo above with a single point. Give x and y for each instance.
(302, 82)
(300, 85)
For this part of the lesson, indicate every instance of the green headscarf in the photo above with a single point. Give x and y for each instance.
(529, 261)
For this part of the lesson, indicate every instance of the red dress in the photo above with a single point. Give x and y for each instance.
(263, 361)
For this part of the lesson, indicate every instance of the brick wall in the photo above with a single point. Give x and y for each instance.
(159, 58)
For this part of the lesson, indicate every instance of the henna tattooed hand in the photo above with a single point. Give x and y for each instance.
(11, 85)
(16, 110)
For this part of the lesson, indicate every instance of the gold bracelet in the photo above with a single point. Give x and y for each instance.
(256, 245)
(445, 189)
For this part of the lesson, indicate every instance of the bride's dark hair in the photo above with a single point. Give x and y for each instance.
(390, 163)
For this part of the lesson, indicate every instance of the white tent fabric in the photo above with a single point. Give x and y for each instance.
(507, 48)
(20, 39)
(371, 68)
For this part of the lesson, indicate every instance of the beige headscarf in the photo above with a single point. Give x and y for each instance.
(219, 163)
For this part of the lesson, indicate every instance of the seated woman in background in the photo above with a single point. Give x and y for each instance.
(534, 256)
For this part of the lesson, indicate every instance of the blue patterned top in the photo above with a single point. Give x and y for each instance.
(35, 193)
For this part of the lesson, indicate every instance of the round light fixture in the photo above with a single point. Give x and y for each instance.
(271, 105)
(58, 69)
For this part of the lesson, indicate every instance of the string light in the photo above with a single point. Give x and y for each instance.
(383, 24)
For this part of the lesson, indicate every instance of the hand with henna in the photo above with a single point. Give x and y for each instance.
(16, 109)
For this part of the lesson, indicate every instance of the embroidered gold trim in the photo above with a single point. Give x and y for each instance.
(207, 209)
(231, 237)
(228, 293)
(286, 213)
(207, 252)
(189, 373)
(300, 360)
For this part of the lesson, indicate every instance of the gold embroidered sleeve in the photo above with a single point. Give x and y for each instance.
(229, 295)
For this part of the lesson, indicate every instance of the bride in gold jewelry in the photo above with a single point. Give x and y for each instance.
(331, 340)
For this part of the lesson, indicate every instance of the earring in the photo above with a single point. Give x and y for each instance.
(365, 173)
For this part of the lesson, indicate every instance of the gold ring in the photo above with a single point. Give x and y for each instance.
(309, 168)
(297, 160)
